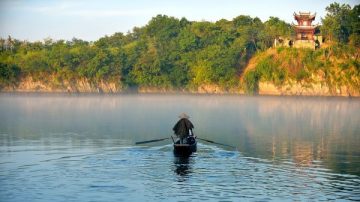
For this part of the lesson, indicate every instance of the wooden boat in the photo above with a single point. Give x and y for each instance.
(185, 149)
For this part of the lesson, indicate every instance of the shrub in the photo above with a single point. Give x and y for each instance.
(9, 74)
(251, 82)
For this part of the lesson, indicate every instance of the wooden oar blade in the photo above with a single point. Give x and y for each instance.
(216, 142)
(149, 141)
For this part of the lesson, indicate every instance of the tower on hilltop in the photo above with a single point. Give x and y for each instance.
(304, 30)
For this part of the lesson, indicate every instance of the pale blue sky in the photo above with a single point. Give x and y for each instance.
(89, 19)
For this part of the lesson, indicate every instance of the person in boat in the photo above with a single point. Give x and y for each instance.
(183, 128)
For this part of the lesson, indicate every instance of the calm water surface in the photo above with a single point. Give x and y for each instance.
(81, 148)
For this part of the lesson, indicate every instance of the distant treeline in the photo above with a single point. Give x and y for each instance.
(166, 53)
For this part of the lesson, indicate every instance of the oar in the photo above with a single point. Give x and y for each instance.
(148, 141)
(215, 142)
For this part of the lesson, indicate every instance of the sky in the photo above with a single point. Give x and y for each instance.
(36, 20)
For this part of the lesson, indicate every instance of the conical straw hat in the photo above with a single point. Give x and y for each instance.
(183, 115)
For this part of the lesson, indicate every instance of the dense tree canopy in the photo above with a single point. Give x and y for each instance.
(342, 23)
(167, 52)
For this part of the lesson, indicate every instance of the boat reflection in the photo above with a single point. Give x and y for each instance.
(183, 165)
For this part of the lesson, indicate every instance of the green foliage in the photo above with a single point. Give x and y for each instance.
(342, 23)
(251, 79)
(301, 75)
(214, 65)
(163, 27)
(173, 53)
(336, 66)
(167, 52)
(275, 28)
(9, 74)
(188, 41)
(267, 69)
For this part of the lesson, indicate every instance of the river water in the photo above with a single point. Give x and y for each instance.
(82, 148)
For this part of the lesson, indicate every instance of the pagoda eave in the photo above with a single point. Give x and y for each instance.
(305, 27)
(298, 17)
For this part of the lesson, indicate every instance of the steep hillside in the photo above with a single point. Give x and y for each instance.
(330, 71)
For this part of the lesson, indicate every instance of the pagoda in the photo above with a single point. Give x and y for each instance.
(304, 30)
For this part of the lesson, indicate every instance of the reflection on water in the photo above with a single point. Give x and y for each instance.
(183, 165)
(54, 147)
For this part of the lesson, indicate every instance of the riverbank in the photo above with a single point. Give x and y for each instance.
(29, 85)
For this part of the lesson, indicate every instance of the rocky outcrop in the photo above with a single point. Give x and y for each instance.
(310, 89)
(305, 72)
(48, 85)
(212, 89)
(265, 88)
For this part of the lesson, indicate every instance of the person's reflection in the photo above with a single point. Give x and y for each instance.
(183, 165)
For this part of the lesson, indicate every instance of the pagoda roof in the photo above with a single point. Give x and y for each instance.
(304, 16)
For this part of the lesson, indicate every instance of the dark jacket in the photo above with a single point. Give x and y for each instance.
(182, 127)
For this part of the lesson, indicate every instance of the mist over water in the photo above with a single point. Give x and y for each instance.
(288, 148)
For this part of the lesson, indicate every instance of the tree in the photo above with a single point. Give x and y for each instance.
(163, 28)
(9, 74)
(340, 22)
(214, 65)
(275, 28)
(147, 71)
(168, 52)
(354, 37)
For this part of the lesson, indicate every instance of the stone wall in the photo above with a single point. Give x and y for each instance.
(304, 44)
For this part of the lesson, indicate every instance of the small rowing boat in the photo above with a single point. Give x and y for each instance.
(185, 149)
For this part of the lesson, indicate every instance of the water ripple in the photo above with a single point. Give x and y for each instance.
(154, 173)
